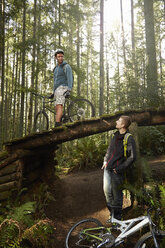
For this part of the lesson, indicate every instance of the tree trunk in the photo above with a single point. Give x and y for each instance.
(2, 66)
(29, 128)
(123, 34)
(78, 51)
(21, 125)
(152, 83)
(101, 100)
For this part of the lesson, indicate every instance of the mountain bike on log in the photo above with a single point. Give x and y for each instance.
(74, 109)
(91, 233)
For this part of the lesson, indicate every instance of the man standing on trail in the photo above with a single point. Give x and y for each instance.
(116, 161)
(63, 82)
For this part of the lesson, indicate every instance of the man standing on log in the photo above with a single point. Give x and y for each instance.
(117, 159)
(63, 82)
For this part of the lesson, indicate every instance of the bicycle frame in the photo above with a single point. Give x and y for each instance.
(44, 102)
(127, 228)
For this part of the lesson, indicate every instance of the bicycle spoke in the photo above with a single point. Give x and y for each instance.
(84, 234)
(81, 109)
(41, 122)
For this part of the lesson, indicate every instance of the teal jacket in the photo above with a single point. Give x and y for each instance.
(63, 76)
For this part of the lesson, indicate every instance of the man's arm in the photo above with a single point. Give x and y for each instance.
(107, 155)
(69, 76)
(131, 155)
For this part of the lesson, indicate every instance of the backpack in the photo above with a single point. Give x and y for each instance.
(64, 69)
(130, 173)
(125, 142)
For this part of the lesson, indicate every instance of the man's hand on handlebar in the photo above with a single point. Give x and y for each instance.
(67, 94)
(51, 96)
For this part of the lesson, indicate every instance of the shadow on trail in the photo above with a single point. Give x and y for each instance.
(77, 195)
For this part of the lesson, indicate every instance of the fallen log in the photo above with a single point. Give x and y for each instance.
(11, 168)
(9, 178)
(18, 154)
(84, 128)
(8, 186)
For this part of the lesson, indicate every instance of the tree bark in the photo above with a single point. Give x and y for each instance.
(21, 125)
(2, 66)
(29, 128)
(78, 50)
(101, 100)
(152, 81)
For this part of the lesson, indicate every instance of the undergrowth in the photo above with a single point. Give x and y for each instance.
(24, 225)
(82, 154)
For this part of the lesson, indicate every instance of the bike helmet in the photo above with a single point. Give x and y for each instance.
(58, 51)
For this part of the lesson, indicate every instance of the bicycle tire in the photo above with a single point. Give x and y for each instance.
(146, 241)
(74, 235)
(81, 109)
(41, 121)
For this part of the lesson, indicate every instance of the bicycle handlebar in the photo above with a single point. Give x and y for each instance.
(36, 94)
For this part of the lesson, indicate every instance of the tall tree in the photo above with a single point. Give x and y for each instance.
(21, 125)
(33, 68)
(101, 101)
(2, 65)
(152, 82)
(78, 48)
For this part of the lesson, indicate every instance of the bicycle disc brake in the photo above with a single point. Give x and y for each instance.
(110, 238)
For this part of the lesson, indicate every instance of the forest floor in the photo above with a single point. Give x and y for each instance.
(80, 195)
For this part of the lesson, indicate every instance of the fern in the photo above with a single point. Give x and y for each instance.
(24, 213)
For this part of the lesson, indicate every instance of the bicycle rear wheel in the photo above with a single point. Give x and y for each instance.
(41, 121)
(146, 241)
(81, 109)
(79, 236)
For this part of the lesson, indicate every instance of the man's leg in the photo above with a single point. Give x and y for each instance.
(59, 112)
(107, 188)
(59, 103)
(117, 181)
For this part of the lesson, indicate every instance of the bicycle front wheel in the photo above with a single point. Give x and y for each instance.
(146, 241)
(41, 122)
(81, 109)
(84, 234)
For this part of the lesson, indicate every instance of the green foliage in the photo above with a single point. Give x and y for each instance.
(10, 231)
(23, 213)
(22, 225)
(152, 140)
(40, 234)
(162, 204)
(42, 199)
(83, 153)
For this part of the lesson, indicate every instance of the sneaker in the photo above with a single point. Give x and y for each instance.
(58, 124)
(109, 221)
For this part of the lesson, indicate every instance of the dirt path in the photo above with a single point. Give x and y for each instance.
(80, 195)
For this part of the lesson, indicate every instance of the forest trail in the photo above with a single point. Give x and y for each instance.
(80, 195)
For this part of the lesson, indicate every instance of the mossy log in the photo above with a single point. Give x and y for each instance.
(18, 154)
(9, 178)
(10, 169)
(8, 186)
(84, 128)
